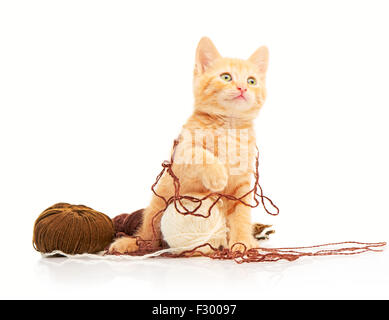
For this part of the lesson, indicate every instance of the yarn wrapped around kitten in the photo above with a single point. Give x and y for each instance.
(72, 229)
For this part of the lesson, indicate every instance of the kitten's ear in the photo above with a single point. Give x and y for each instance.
(206, 53)
(261, 59)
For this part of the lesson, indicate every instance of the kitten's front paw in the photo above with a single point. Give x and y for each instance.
(215, 177)
(123, 245)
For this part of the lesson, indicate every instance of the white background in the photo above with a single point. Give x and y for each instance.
(92, 94)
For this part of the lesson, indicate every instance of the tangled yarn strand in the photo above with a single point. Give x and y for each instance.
(247, 255)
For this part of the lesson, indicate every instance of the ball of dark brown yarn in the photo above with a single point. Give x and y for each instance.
(128, 223)
(72, 229)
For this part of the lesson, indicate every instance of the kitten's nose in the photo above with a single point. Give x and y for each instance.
(242, 89)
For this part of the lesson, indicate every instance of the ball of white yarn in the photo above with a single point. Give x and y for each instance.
(185, 232)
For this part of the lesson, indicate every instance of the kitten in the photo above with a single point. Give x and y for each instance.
(217, 149)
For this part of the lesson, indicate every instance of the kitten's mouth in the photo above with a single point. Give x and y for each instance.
(241, 96)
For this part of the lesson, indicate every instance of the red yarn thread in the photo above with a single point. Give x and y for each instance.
(248, 255)
(177, 197)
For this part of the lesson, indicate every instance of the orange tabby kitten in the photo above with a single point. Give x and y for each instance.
(217, 144)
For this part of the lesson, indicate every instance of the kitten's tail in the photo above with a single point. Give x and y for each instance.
(262, 231)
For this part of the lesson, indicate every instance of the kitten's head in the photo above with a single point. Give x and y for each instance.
(229, 87)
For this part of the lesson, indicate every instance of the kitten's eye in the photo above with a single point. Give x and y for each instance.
(252, 81)
(226, 77)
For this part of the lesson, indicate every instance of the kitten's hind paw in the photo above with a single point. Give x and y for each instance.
(262, 231)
